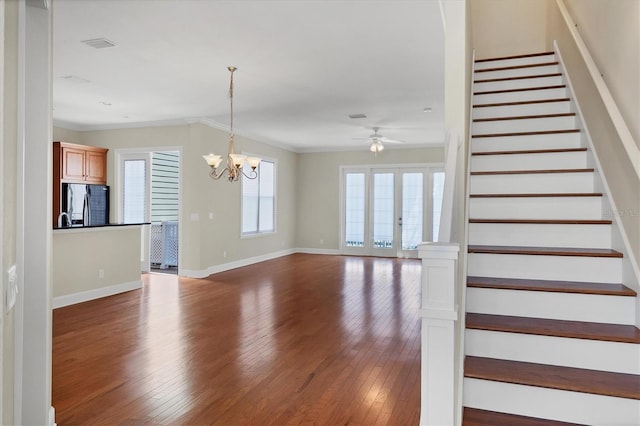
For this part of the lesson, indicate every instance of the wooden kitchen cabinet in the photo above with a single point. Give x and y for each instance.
(79, 163)
(73, 163)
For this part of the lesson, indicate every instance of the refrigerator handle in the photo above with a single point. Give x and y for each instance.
(86, 211)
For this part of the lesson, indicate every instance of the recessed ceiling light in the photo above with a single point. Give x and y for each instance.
(358, 115)
(106, 103)
(99, 43)
(427, 109)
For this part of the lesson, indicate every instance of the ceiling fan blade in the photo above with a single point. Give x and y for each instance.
(387, 140)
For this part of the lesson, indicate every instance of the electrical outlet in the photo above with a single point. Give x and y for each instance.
(321, 242)
(224, 253)
(100, 273)
(210, 216)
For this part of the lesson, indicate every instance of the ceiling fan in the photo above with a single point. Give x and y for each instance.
(377, 140)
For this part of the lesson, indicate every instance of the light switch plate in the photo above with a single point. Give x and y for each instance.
(12, 288)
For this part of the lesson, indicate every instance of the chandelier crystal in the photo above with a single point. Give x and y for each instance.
(235, 162)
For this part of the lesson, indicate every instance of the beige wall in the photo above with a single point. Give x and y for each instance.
(79, 254)
(508, 27)
(616, 165)
(318, 203)
(611, 32)
(9, 197)
(204, 240)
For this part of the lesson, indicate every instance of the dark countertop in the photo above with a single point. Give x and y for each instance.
(109, 225)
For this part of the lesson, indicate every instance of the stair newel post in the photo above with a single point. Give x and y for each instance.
(439, 313)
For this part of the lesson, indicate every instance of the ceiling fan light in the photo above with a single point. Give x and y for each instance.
(376, 147)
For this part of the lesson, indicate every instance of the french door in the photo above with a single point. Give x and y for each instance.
(387, 211)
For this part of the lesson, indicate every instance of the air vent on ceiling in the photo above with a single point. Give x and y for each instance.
(75, 79)
(357, 115)
(99, 43)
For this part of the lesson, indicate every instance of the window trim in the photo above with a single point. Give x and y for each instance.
(256, 234)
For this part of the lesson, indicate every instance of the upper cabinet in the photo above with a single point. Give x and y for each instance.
(75, 163)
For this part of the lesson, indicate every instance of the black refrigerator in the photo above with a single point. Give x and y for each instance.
(86, 205)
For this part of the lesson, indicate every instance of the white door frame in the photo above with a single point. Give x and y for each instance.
(122, 154)
(398, 169)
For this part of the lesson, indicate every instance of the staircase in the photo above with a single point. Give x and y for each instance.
(550, 326)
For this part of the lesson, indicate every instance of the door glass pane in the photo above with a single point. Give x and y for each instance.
(135, 185)
(383, 204)
(438, 191)
(412, 214)
(354, 209)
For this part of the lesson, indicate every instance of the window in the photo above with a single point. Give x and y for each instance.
(135, 191)
(258, 200)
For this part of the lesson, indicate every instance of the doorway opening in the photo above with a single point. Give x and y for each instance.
(150, 192)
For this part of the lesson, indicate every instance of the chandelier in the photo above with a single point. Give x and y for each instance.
(235, 162)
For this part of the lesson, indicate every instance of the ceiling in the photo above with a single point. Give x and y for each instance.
(303, 67)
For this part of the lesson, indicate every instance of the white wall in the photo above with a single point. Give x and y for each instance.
(9, 196)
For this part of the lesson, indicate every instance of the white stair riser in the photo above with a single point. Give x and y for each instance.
(517, 84)
(534, 183)
(536, 208)
(520, 110)
(563, 268)
(542, 59)
(526, 142)
(560, 306)
(574, 407)
(524, 125)
(562, 351)
(518, 72)
(548, 161)
(540, 235)
(529, 95)
(557, 107)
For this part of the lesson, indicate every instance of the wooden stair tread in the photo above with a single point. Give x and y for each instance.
(521, 77)
(522, 89)
(515, 67)
(524, 117)
(477, 417)
(557, 328)
(526, 55)
(620, 385)
(537, 101)
(532, 133)
(546, 251)
(607, 289)
(542, 195)
(530, 172)
(531, 151)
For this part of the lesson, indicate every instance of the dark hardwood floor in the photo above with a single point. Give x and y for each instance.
(303, 339)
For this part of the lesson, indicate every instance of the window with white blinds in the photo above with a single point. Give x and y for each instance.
(258, 200)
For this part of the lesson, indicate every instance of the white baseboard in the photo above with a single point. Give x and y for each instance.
(332, 252)
(191, 273)
(84, 296)
(52, 416)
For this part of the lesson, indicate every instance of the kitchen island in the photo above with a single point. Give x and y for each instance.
(95, 261)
